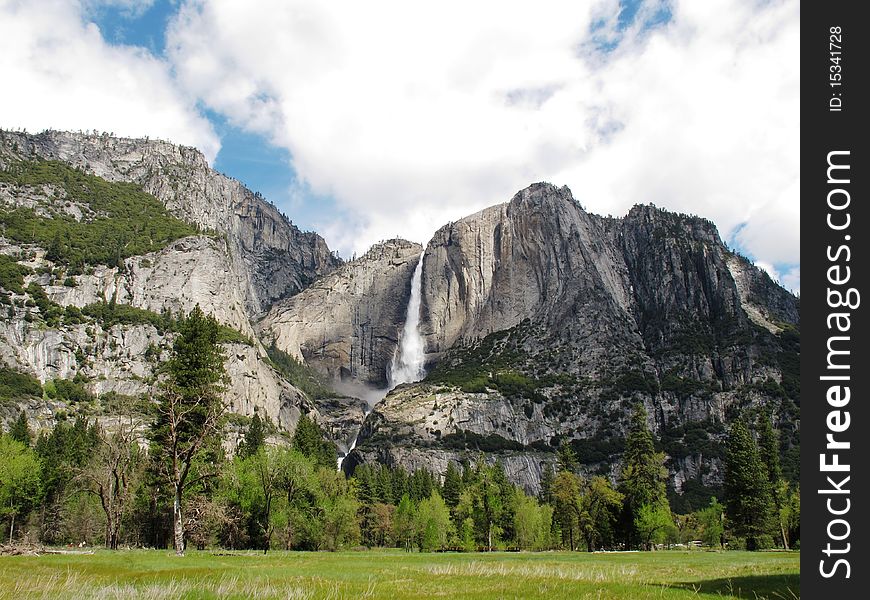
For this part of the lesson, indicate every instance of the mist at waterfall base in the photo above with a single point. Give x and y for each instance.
(409, 361)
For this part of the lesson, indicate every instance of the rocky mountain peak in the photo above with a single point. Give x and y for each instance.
(539, 193)
(544, 323)
(394, 248)
(272, 258)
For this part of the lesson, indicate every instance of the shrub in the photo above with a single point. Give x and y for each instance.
(123, 220)
(15, 385)
(300, 375)
(12, 274)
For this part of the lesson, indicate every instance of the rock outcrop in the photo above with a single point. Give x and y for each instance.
(543, 324)
(347, 324)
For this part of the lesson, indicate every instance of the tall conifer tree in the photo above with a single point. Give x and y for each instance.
(748, 506)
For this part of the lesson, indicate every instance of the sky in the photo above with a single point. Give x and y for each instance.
(370, 120)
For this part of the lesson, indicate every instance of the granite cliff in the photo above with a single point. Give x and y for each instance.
(544, 324)
(347, 323)
(241, 257)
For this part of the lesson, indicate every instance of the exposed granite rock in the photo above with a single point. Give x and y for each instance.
(765, 303)
(538, 257)
(190, 271)
(347, 324)
(121, 359)
(589, 315)
(558, 320)
(251, 256)
(271, 258)
(341, 419)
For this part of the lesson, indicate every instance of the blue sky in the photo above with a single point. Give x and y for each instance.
(362, 130)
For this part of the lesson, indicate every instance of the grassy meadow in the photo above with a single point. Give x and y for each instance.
(396, 574)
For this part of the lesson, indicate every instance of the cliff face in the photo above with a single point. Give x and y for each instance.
(347, 324)
(537, 257)
(250, 257)
(270, 258)
(544, 323)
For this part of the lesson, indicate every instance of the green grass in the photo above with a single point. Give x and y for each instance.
(395, 574)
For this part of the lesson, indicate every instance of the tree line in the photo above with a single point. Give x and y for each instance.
(167, 482)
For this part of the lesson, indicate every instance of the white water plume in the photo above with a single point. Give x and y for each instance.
(409, 362)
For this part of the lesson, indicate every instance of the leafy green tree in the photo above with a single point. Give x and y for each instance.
(255, 437)
(653, 522)
(710, 521)
(600, 504)
(19, 479)
(378, 525)
(465, 535)
(403, 524)
(748, 506)
(256, 484)
(298, 484)
(484, 501)
(643, 476)
(433, 525)
(190, 410)
(532, 522)
(311, 442)
(20, 430)
(336, 506)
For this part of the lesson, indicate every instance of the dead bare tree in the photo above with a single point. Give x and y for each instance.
(112, 473)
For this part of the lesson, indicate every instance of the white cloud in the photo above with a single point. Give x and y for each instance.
(411, 115)
(58, 72)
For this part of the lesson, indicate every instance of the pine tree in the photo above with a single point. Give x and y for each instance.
(749, 506)
(768, 445)
(190, 408)
(310, 441)
(642, 481)
(255, 438)
(452, 485)
(548, 474)
(20, 431)
(567, 458)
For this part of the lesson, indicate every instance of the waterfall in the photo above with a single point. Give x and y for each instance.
(349, 450)
(409, 361)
